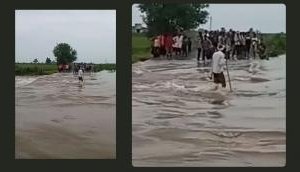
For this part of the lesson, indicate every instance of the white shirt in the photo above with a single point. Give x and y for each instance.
(156, 42)
(180, 40)
(218, 62)
(176, 40)
(80, 73)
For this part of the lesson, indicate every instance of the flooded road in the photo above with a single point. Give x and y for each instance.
(179, 121)
(57, 119)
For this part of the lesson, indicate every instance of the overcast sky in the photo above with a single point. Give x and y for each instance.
(91, 32)
(269, 18)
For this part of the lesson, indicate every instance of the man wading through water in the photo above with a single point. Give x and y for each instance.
(218, 63)
(80, 76)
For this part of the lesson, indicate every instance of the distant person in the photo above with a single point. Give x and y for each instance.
(156, 47)
(168, 45)
(189, 44)
(218, 63)
(237, 45)
(248, 45)
(254, 42)
(227, 46)
(206, 45)
(180, 42)
(262, 50)
(184, 46)
(176, 44)
(162, 50)
(80, 76)
(199, 46)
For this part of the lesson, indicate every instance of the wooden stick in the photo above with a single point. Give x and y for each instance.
(228, 77)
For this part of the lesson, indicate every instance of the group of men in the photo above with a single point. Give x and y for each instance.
(237, 45)
(221, 45)
(84, 66)
(216, 46)
(171, 44)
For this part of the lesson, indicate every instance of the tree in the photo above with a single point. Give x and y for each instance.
(161, 18)
(64, 53)
(35, 61)
(48, 60)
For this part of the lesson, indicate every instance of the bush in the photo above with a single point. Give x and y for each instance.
(107, 66)
(275, 43)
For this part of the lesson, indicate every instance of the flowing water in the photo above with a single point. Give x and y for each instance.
(56, 118)
(178, 120)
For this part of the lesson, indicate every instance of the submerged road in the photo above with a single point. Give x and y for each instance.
(57, 119)
(178, 121)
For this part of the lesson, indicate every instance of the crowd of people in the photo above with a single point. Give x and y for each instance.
(75, 67)
(86, 67)
(238, 45)
(171, 44)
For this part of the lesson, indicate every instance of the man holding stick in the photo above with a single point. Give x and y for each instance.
(218, 64)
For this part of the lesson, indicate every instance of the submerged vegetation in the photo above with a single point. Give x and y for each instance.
(22, 69)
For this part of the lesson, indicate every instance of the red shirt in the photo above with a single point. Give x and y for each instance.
(169, 41)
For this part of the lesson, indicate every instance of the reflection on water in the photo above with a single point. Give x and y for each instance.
(55, 118)
(179, 121)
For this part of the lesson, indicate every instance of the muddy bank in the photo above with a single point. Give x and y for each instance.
(55, 118)
(179, 121)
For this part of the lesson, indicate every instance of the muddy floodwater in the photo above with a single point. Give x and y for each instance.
(177, 120)
(58, 119)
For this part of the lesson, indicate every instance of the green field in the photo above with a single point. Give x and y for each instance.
(47, 69)
(35, 69)
(141, 48)
(107, 66)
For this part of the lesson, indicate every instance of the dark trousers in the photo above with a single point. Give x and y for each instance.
(184, 50)
(189, 48)
(205, 53)
(219, 78)
(199, 54)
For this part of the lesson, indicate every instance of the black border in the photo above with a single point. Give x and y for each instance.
(123, 99)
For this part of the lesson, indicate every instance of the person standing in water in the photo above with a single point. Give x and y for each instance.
(80, 76)
(218, 64)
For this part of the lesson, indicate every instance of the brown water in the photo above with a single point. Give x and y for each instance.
(179, 121)
(56, 118)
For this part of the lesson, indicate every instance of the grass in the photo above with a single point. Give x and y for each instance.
(35, 69)
(22, 69)
(107, 66)
(141, 47)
